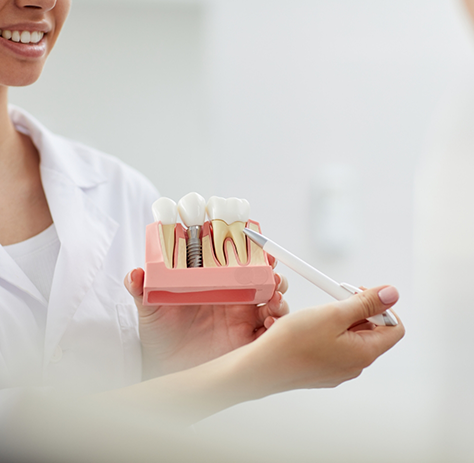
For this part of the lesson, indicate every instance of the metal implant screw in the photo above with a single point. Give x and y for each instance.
(194, 247)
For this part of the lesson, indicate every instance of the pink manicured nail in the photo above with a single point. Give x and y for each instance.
(388, 295)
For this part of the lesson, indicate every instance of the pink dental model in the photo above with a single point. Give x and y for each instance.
(234, 269)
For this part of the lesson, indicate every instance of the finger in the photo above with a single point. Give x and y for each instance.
(367, 304)
(134, 283)
(269, 321)
(382, 338)
(282, 286)
(275, 307)
(363, 325)
(272, 261)
(260, 331)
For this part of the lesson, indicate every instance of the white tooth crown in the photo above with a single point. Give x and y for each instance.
(228, 210)
(228, 217)
(22, 36)
(165, 211)
(192, 209)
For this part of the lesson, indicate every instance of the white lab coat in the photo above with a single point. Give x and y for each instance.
(100, 208)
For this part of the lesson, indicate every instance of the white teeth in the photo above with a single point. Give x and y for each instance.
(229, 217)
(229, 210)
(192, 209)
(22, 36)
(35, 37)
(165, 211)
(25, 37)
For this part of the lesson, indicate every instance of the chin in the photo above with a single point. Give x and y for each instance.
(20, 79)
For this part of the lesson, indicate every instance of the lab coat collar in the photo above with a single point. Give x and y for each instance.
(84, 230)
(55, 151)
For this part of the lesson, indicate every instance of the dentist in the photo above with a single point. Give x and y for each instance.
(72, 224)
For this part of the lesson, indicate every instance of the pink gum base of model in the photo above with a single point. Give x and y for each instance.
(243, 284)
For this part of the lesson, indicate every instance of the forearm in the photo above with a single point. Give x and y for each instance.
(194, 394)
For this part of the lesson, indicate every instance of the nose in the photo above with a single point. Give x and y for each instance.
(44, 5)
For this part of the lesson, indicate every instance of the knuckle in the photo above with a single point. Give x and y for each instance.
(368, 304)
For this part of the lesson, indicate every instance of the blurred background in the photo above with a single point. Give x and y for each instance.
(330, 117)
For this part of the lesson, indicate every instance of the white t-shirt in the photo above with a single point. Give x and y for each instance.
(37, 257)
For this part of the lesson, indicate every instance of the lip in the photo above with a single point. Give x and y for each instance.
(25, 50)
(41, 26)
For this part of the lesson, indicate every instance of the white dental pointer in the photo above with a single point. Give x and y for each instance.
(337, 290)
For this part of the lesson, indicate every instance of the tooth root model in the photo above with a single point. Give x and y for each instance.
(166, 212)
(208, 259)
(257, 256)
(180, 252)
(192, 209)
(228, 218)
(242, 275)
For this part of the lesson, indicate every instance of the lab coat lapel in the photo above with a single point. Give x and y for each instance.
(85, 233)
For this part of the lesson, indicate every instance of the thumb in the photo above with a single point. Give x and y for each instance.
(368, 303)
(134, 283)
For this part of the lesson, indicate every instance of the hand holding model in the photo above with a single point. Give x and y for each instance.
(239, 352)
(311, 348)
(175, 338)
(178, 337)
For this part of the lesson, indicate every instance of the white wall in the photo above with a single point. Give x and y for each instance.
(256, 99)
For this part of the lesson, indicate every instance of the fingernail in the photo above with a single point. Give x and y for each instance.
(281, 301)
(277, 280)
(388, 295)
(130, 277)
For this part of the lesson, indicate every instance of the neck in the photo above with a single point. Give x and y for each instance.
(16, 150)
(7, 131)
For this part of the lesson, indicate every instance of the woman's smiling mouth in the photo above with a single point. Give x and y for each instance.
(22, 36)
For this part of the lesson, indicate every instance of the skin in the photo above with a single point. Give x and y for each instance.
(175, 339)
(470, 7)
(23, 205)
(198, 360)
(317, 347)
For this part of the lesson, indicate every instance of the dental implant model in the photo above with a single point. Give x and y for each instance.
(204, 262)
(192, 209)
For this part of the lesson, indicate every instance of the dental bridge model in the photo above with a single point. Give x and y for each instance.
(208, 262)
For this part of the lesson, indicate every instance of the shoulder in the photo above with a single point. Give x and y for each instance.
(85, 166)
(115, 172)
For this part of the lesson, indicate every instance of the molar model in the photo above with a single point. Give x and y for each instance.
(209, 262)
(228, 218)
